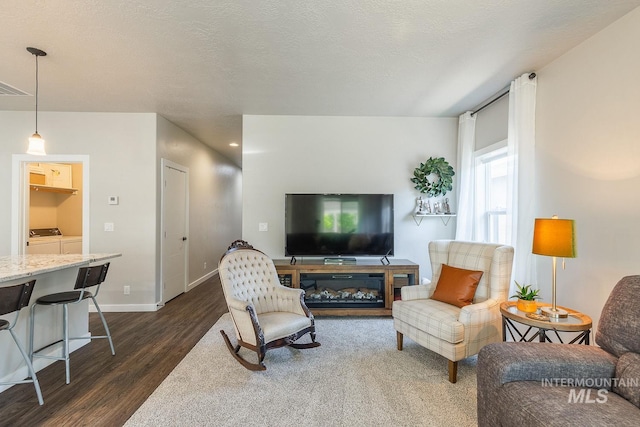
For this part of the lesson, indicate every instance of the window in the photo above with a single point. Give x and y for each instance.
(491, 193)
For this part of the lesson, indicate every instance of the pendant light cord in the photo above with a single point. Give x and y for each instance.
(36, 93)
(36, 143)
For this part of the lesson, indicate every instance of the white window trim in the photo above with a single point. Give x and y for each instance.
(488, 149)
(482, 156)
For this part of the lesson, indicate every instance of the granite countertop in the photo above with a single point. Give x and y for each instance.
(18, 266)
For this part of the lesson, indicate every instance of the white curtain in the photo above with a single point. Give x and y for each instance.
(521, 179)
(466, 177)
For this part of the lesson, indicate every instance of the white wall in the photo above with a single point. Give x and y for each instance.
(124, 151)
(215, 198)
(121, 148)
(308, 154)
(588, 161)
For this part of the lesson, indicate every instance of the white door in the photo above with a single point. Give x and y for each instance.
(175, 230)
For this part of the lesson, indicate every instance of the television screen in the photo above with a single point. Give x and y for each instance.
(338, 224)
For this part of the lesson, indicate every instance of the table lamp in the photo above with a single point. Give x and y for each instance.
(555, 238)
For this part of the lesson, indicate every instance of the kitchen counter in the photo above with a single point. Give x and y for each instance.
(21, 266)
(52, 273)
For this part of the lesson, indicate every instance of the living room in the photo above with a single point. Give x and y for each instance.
(586, 169)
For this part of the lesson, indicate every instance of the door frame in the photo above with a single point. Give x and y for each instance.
(163, 164)
(20, 197)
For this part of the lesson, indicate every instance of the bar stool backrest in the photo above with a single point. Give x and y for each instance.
(14, 298)
(91, 276)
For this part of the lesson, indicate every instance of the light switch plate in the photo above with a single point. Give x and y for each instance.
(114, 200)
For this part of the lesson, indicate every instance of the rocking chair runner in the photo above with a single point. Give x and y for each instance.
(265, 314)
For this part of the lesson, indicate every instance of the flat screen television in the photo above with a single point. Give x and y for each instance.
(333, 225)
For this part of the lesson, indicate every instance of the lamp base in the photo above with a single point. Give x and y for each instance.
(557, 313)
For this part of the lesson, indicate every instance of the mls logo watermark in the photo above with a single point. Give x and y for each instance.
(588, 395)
(590, 390)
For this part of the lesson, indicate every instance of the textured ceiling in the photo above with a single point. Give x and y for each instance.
(204, 63)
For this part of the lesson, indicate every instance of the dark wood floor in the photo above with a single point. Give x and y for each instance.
(106, 390)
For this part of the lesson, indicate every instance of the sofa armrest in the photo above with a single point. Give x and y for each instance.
(551, 365)
(417, 291)
(500, 363)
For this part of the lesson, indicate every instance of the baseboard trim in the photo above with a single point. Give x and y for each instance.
(202, 279)
(126, 308)
(123, 308)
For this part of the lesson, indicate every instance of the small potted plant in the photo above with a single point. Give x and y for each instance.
(526, 298)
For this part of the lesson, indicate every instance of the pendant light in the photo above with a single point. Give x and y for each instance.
(36, 143)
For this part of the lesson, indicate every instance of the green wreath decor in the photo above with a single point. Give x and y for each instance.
(443, 177)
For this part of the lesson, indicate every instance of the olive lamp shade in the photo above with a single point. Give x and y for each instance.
(554, 237)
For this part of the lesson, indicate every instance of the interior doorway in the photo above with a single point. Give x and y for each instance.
(21, 192)
(174, 230)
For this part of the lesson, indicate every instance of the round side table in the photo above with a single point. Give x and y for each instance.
(576, 322)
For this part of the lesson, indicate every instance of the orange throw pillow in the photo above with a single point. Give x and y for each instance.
(456, 286)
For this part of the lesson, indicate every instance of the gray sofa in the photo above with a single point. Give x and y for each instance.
(539, 384)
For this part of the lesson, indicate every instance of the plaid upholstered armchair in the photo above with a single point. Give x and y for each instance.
(265, 314)
(458, 312)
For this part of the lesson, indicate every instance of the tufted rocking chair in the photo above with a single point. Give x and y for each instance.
(265, 314)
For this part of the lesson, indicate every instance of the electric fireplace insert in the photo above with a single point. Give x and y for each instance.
(343, 290)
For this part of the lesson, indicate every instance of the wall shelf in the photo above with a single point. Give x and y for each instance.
(50, 189)
(444, 217)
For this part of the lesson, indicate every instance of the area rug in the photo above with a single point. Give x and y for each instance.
(356, 377)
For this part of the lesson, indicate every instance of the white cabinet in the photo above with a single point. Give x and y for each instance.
(57, 175)
(49, 246)
(36, 174)
(55, 245)
(70, 246)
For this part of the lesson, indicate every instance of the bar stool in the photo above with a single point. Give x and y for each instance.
(13, 299)
(88, 277)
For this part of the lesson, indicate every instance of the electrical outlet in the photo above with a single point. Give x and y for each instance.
(108, 226)
(127, 290)
(205, 265)
(263, 226)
